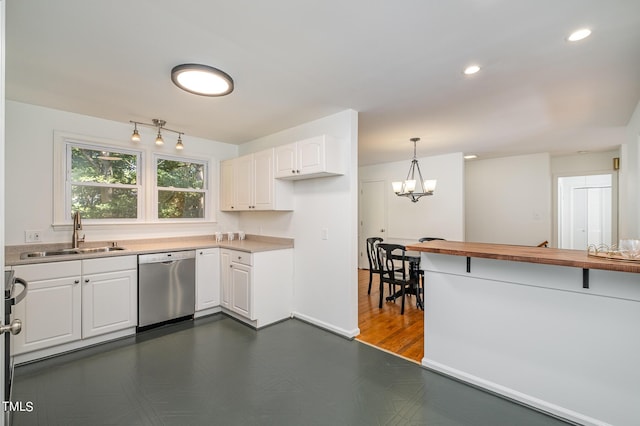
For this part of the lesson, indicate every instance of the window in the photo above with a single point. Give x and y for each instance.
(181, 188)
(103, 184)
(111, 183)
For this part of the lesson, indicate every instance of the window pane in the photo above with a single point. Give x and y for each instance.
(179, 174)
(104, 203)
(90, 165)
(179, 204)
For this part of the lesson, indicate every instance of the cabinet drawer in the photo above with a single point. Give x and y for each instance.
(47, 271)
(241, 257)
(109, 264)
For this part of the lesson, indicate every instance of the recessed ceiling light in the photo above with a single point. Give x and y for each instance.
(579, 34)
(471, 69)
(202, 80)
(470, 156)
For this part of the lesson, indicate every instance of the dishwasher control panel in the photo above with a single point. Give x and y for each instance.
(166, 257)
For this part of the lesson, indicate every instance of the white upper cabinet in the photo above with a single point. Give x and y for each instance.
(309, 158)
(227, 193)
(248, 184)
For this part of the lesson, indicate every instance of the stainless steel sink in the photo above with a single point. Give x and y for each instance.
(62, 252)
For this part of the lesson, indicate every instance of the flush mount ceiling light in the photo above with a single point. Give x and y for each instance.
(471, 69)
(408, 187)
(159, 125)
(579, 34)
(470, 157)
(202, 80)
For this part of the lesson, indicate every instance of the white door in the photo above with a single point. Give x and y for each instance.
(243, 179)
(227, 186)
(50, 313)
(207, 278)
(263, 180)
(372, 216)
(285, 160)
(586, 211)
(225, 278)
(311, 155)
(109, 302)
(241, 290)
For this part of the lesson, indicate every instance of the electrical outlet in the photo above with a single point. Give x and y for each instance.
(32, 236)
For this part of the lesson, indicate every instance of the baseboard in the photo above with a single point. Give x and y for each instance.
(513, 395)
(349, 334)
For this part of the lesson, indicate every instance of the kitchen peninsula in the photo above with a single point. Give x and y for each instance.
(554, 329)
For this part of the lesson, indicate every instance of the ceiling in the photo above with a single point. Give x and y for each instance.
(399, 64)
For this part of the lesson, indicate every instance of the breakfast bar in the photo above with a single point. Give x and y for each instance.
(554, 329)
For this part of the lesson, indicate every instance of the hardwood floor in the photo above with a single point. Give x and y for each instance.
(386, 328)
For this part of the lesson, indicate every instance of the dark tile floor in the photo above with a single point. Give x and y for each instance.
(216, 371)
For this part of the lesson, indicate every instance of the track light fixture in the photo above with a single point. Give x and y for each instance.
(159, 125)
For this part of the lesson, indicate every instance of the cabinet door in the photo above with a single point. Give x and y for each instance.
(311, 155)
(243, 182)
(285, 160)
(263, 180)
(207, 278)
(50, 314)
(241, 290)
(225, 278)
(109, 302)
(227, 187)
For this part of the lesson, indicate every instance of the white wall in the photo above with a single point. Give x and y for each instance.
(29, 171)
(508, 200)
(2, 181)
(629, 212)
(439, 215)
(325, 276)
(576, 165)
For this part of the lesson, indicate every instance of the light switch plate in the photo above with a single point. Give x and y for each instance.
(325, 233)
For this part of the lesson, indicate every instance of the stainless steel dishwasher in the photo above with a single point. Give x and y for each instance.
(166, 287)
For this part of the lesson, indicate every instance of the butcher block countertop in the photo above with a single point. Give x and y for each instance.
(252, 244)
(543, 255)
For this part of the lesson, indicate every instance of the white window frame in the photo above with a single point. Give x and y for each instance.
(62, 178)
(206, 191)
(147, 196)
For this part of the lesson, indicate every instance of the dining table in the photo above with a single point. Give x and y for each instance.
(413, 258)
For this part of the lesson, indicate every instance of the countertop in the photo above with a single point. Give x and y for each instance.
(252, 244)
(543, 255)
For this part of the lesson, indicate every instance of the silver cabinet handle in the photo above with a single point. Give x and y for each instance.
(14, 328)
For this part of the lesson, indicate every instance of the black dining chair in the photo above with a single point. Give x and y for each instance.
(394, 270)
(423, 239)
(372, 254)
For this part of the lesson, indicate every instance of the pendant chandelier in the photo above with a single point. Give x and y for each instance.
(407, 188)
(159, 125)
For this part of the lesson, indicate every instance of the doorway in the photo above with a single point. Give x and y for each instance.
(587, 211)
(372, 216)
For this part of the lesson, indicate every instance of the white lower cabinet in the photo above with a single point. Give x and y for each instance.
(109, 295)
(70, 301)
(51, 311)
(257, 288)
(207, 278)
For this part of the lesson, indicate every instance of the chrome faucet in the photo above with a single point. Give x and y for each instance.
(77, 225)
